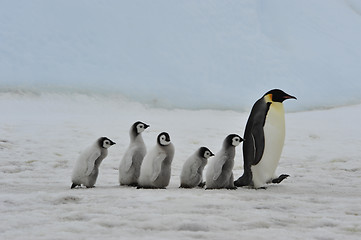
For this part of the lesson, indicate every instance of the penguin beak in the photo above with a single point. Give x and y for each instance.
(112, 143)
(289, 97)
(146, 126)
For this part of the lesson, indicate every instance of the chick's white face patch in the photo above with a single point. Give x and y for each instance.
(236, 141)
(106, 144)
(140, 128)
(207, 154)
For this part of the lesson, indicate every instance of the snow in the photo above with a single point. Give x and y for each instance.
(219, 54)
(73, 71)
(41, 137)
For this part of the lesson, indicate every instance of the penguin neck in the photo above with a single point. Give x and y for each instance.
(268, 98)
(99, 145)
(167, 148)
(229, 148)
(136, 137)
(278, 107)
(275, 106)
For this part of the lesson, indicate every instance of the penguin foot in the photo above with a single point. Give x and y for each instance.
(232, 188)
(244, 180)
(202, 184)
(184, 186)
(280, 178)
(74, 185)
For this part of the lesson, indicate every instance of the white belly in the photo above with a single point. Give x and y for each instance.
(274, 132)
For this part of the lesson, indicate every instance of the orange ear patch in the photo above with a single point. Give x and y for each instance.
(268, 97)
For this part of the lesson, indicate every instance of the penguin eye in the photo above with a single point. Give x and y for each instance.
(106, 142)
(140, 126)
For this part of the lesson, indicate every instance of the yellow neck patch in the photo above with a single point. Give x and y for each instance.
(268, 98)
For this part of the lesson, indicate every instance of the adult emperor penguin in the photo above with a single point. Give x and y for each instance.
(192, 171)
(220, 168)
(86, 168)
(263, 140)
(129, 168)
(155, 171)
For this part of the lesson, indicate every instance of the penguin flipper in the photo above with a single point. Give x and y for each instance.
(258, 142)
(137, 160)
(128, 161)
(157, 166)
(218, 167)
(194, 169)
(91, 162)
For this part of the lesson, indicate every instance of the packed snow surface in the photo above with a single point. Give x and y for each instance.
(73, 71)
(41, 137)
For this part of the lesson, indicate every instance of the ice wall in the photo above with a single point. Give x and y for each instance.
(189, 54)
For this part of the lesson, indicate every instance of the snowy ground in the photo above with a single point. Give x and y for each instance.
(41, 137)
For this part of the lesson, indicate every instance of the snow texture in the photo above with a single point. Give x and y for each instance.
(42, 136)
(73, 71)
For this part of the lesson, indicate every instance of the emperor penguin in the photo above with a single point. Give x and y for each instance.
(155, 171)
(220, 168)
(263, 140)
(192, 171)
(129, 168)
(86, 168)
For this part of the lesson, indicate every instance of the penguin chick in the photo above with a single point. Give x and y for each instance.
(192, 171)
(264, 137)
(219, 171)
(86, 168)
(155, 171)
(129, 168)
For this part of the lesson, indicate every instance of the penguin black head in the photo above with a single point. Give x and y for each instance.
(277, 95)
(205, 153)
(105, 142)
(233, 140)
(139, 127)
(163, 139)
